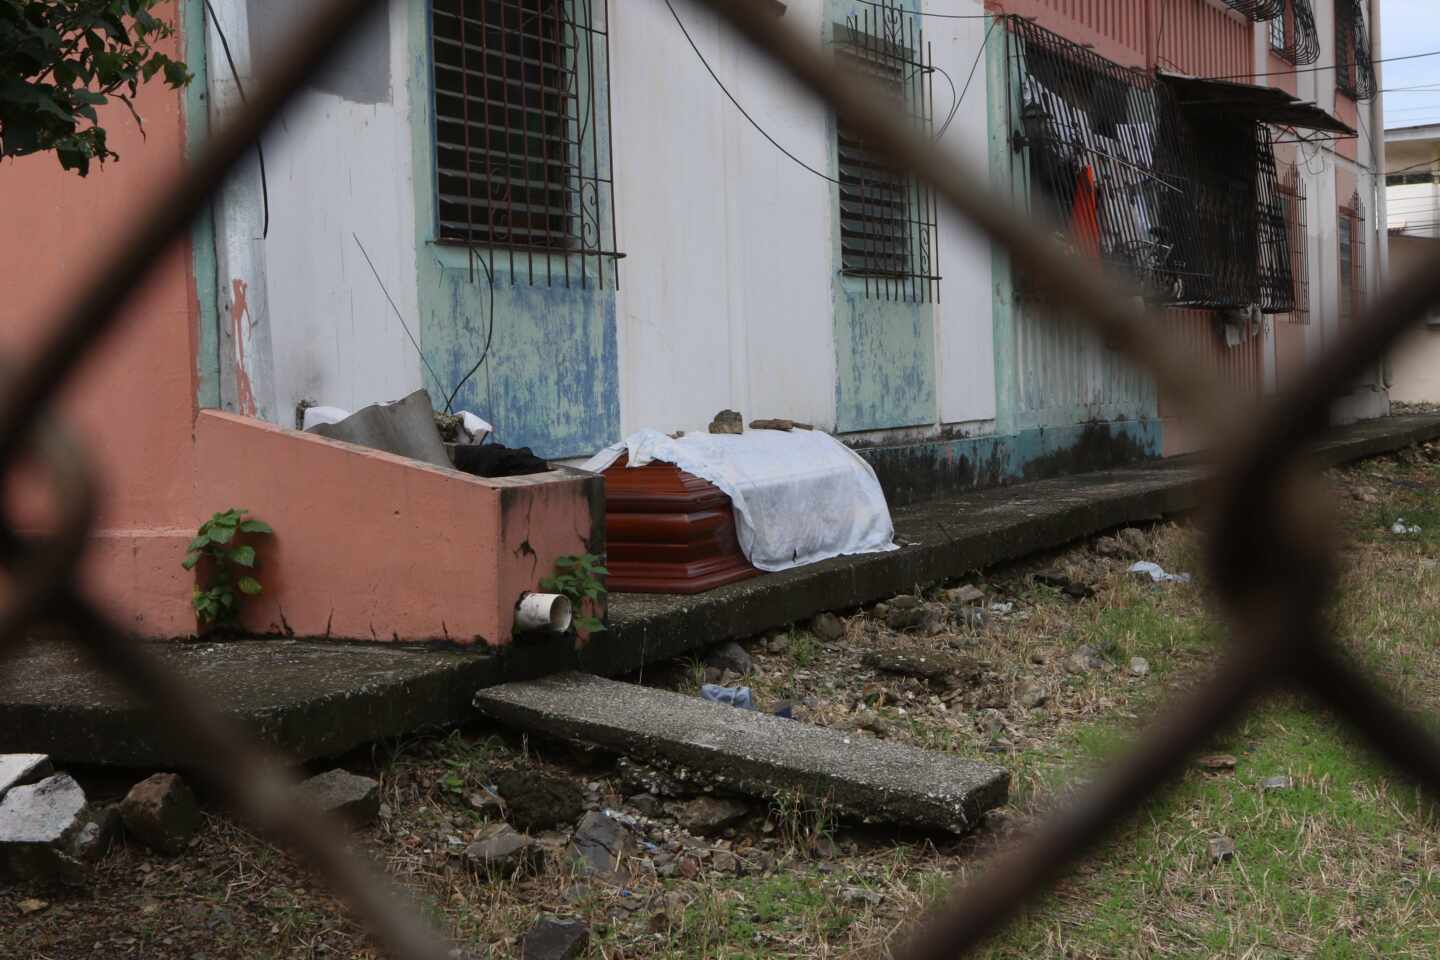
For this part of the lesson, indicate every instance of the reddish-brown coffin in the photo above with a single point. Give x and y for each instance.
(668, 531)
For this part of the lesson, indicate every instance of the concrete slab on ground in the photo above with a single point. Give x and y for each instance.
(318, 698)
(754, 753)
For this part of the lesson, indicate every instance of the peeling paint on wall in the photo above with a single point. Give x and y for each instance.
(241, 337)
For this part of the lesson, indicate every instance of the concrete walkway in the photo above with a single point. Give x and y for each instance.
(312, 698)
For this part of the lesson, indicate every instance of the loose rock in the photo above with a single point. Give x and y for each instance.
(966, 594)
(727, 421)
(601, 846)
(1133, 540)
(96, 835)
(1217, 761)
(1276, 783)
(345, 794)
(707, 815)
(1222, 849)
(538, 800)
(18, 769)
(827, 627)
(926, 666)
(1032, 696)
(1084, 660)
(1139, 666)
(39, 824)
(555, 939)
(723, 861)
(161, 813)
(731, 656)
(645, 804)
(31, 905)
(501, 850)
(780, 643)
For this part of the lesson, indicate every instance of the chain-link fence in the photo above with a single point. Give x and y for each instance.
(1272, 565)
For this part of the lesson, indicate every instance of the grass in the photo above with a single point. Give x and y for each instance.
(1343, 863)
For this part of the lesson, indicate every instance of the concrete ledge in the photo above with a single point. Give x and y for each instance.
(316, 698)
(754, 753)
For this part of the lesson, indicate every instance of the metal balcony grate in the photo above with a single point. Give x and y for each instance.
(1293, 35)
(522, 138)
(887, 217)
(1257, 10)
(1183, 200)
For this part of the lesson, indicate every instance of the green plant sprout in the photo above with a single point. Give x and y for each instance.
(218, 602)
(578, 578)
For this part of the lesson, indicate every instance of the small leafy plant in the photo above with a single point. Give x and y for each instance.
(215, 542)
(578, 577)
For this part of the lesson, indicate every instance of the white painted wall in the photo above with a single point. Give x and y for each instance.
(964, 329)
(337, 167)
(725, 297)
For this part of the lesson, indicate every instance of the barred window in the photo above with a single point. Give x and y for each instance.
(887, 216)
(1292, 193)
(1354, 73)
(1293, 34)
(522, 141)
(1351, 231)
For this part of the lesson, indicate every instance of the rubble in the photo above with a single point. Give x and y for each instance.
(40, 824)
(602, 846)
(827, 627)
(18, 769)
(344, 794)
(161, 813)
(501, 850)
(708, 815)
(537, 800)
(555, 939)
(731, 656)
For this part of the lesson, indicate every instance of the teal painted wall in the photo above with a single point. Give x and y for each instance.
(551, 380)
(884, 350)
(202, 231)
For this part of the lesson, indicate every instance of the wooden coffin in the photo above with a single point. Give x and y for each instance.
(668, 531)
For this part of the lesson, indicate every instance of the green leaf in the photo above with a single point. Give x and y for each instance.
(199, 543)
(222, 534)
(191, 558)
(243, 555)
(255, 526)
(249, 586)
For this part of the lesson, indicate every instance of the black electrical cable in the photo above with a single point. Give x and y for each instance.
(961, 99)
(398, 316)
(259, 150)
(1328, 66)
(731, 97)
(489, 333)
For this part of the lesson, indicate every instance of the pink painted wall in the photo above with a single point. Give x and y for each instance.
(370, 546)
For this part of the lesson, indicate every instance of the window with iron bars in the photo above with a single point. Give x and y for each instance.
(522, 137)
(887, 217)
(1350, 229)
(1293, 35)
(1292, 194)
(1354, 73)
(1256, 10)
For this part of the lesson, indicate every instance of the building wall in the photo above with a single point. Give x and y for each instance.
(1415, 360)
(729, 293)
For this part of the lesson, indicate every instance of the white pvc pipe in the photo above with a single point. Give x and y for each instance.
(543, 611)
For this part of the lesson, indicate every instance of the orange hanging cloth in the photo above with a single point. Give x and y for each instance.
(1085, 214)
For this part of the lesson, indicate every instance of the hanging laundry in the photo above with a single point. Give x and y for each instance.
(1085, 214)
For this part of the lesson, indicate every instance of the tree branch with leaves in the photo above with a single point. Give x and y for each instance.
(61, 60)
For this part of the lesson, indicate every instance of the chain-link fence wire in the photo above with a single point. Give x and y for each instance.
(1271, 558)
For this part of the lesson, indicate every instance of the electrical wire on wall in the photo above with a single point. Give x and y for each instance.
(955, 107)
(240, 88)
(475, 256)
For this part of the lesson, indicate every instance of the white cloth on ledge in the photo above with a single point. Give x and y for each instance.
(799, 496)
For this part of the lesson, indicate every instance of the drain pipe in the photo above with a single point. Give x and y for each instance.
(543, 611)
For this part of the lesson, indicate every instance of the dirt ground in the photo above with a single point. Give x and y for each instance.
(1063, 658)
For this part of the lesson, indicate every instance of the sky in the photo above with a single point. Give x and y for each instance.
(1410, 26)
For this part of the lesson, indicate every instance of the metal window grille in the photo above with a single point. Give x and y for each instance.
(523, 159)
(1294, 36)
(1354, 73)
(887, 217)
(1182, 200)
(1351, 232)
(1292, 193)
(1257, 10)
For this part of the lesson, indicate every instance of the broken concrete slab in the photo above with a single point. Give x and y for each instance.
(405, 428)
(500, 850)
(39, 825)
(18, 769)
(602, 847)
(344, 794)
(755, 754)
